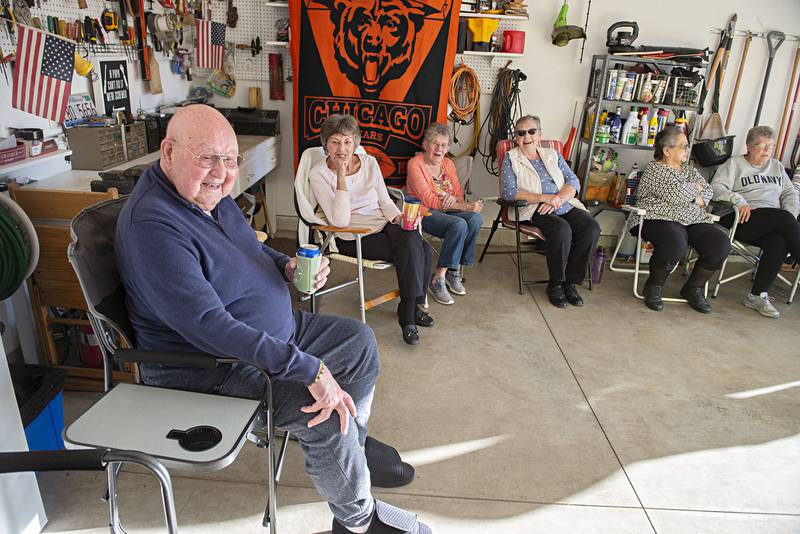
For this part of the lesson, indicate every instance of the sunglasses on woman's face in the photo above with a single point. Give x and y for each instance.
(531, 131)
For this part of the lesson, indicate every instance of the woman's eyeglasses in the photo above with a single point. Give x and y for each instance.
(531, 131)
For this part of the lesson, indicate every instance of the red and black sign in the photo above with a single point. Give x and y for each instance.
(386, 62)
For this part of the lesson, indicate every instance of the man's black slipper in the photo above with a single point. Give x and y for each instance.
(386, 468)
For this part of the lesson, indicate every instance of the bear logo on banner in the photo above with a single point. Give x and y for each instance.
(374, 41)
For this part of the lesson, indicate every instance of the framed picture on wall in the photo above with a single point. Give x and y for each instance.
(111, 89)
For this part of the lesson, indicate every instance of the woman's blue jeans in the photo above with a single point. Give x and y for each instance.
(459, 229)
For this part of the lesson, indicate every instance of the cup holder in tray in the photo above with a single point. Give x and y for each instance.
(197, 438)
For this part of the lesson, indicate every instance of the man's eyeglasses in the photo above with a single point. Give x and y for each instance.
(684, 146)
(208, 161)
(531, 131)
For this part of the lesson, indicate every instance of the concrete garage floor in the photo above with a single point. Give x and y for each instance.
(524, 418)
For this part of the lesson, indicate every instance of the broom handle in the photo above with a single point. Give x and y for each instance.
(747, 42)
(788, 98)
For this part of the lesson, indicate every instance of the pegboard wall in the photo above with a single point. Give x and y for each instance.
(256, 18)
(68, 11)
(486, 67)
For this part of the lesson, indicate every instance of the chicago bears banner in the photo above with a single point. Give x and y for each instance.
(386, 62)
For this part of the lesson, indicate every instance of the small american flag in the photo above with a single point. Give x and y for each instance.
(43, 73)
(210, 44)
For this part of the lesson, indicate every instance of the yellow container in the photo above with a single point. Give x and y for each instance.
(482, 29)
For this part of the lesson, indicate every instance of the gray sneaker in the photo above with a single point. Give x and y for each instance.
(453, 281)
(438, 289)
(762, 305)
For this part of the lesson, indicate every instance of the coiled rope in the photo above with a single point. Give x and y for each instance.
(504, 109)
(465, 103)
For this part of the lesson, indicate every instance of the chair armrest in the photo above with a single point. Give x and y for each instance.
(77, 460)
(721, 208)
(395, 193)
(511, 203)
(633, 209)
(195, 360)
(342, 229)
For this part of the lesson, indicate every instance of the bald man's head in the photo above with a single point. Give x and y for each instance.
(192, 132)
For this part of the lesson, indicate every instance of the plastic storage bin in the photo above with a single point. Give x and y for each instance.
(38, 391)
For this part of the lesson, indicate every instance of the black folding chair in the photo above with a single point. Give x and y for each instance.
(212, 437)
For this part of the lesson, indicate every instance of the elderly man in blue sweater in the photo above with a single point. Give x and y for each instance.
(197, 279)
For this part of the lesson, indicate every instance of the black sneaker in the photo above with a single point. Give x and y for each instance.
(694, 296)
(653, 297)
(421, 318)
(571, 294)
(555, 293)
(410, 334)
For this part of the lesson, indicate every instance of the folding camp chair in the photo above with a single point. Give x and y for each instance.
(95, 460)
(745, 251)
(535, 235)
(182, 430)
(312, 227)
(637, 266)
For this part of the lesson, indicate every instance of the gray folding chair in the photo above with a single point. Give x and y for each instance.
(745, 251)
(94, 460)
(637, 269)
(182, 430)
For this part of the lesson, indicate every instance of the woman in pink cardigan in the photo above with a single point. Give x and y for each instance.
(432, 178)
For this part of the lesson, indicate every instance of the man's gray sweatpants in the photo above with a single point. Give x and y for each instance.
(335, 462)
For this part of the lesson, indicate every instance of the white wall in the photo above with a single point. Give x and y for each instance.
(21, 509)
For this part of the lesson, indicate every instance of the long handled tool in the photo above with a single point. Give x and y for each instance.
(774, 41)
(723, 51)
(747, 40)
(791, 116)
(788, 99)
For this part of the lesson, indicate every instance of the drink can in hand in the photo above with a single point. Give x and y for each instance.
(308, 262)
(410, 212)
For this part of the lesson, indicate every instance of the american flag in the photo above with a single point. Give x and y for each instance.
(43, 73)
(210, 44)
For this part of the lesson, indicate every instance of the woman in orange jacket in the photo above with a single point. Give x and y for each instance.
(432, 178)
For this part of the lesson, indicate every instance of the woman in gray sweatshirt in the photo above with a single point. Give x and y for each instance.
(759, 188)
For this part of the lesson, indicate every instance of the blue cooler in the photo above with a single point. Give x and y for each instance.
(38, 391)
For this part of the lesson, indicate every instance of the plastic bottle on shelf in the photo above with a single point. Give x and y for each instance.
(631, 185)
(616, 126)
(651, 135)
(683, 124)
(644, 129)
(631, 128)
(663, 115)
(603, 118)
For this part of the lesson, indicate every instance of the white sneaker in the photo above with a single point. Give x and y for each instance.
(762, 304)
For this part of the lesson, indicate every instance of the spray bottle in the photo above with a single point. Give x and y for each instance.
(644, 128)
(651, 136)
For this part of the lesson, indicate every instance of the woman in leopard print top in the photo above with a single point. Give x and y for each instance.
(675, 196)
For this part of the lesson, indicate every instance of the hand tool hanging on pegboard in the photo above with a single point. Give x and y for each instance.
(141, 36)
(276, 89)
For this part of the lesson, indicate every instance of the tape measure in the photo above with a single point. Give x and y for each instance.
(110, 20)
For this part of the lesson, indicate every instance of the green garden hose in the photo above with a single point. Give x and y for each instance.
(13, 255)
(19, 247)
